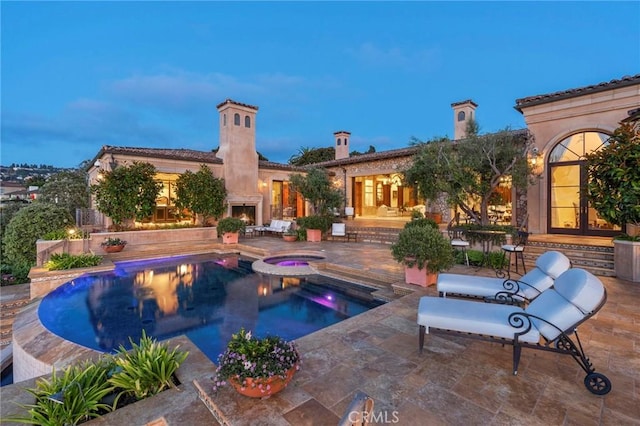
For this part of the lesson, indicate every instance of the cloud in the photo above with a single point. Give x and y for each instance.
(179, 90)
(394, 57)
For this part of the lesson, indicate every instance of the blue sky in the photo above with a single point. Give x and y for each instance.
(79, 75)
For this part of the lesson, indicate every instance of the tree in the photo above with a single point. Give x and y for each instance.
(614, 176)
(306, 156)
(127, 192)
(201, 193)
(38, 181)
(468, 171)
(27, 226)
(67, 189)
(317, 189)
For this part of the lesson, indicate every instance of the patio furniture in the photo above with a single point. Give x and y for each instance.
(456, 235)
(339, 230)
(547, 323)
(276, 226)
(486, 237)
(517, 249)
(548, 267)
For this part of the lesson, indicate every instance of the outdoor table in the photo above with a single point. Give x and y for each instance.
(486, 238)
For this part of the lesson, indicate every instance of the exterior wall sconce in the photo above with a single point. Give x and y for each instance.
(536, 163)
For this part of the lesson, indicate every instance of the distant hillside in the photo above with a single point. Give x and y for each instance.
(25, 172)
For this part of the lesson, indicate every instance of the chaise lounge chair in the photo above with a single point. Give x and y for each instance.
(548, 267)
(547, 323)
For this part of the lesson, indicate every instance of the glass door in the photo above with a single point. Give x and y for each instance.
(569, 209)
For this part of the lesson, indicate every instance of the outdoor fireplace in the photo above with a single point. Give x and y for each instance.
(245, 213)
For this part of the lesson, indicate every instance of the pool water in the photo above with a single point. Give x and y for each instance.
(205, 298)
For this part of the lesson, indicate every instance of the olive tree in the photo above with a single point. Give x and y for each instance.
(469, 171)
(201, 193)
(614, 177)
(67, 189)
(317, 189)
(127, 192)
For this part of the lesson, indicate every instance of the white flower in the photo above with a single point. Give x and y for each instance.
(248, 335)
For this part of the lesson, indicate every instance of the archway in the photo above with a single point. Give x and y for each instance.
(569, 210)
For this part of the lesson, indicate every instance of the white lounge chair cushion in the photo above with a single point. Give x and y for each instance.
(581, 288)
(468, 316)
(511, 247)
(549, 265)
(553, 263)
(459, 243)
(338, 229)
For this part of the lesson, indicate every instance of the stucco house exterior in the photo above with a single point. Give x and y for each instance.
(566, 125)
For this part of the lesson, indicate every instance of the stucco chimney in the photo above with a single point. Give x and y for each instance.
(463, 112)
(342, 144)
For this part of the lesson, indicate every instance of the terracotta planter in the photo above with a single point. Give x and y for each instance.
(113, 249)
(290, 238)
(314, 235)
(230, 238)
(420, 277)
(262, 388)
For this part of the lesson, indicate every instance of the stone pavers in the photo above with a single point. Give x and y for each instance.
(455, 380)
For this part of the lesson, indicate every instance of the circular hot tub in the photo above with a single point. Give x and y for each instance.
(288, 264)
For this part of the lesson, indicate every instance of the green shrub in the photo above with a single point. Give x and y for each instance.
(80, 390)
(60, 261)
(27, 226)
(230, 224)
(7, 211)
(18, 273)
(65, 234)
(322, 223)
(147, 368)
(422, 222)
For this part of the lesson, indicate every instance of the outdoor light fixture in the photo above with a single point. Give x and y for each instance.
(58, 397)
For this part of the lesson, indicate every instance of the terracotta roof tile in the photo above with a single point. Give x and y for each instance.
(580, 91)
(231, 101)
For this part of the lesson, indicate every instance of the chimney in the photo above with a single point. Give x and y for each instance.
(463, 112)
(342, 144)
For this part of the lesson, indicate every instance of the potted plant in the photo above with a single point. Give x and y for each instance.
(113, 244)
(256, 367)
(315, 226)
(613, 192)
(230, 228)
(424, 251)
(290, 235)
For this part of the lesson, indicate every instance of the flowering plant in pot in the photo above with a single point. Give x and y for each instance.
(113, 244)
(423, 249)
(256, 367)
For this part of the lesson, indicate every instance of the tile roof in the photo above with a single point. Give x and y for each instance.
(184, 154)
(231, 101)
(580, 91)
(469, 101)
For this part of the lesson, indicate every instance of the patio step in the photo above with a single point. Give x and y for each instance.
(597, 259)
(8, 312)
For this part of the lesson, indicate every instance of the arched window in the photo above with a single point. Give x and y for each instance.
(576, 146)
(339, 141)
(236, 119)
(247, 121)
(461, 116)
(345, 141)
(224, 119)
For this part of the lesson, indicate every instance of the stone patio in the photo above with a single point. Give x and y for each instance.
(455, 380)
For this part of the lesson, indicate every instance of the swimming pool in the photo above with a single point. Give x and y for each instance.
(205, 298)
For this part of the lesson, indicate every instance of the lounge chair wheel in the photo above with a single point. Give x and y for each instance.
(597, 383)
